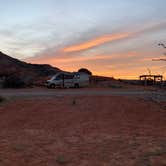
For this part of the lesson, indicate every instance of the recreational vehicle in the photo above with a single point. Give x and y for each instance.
(68, 80)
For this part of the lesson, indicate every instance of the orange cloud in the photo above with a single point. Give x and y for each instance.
(96, 42)
(120, 69)
(63, 59)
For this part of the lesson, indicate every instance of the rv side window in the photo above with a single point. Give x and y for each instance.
(68, 76)
(77, 76)
(59, 77)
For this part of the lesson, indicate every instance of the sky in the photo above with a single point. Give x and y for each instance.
(111, 38)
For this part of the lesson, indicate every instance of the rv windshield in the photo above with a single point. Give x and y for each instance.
(59, 77)
(55, 77)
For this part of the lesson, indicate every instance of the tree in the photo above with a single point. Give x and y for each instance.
(161, 59)
(84, 70)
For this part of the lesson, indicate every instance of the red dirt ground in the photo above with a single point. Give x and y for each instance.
(82, 131)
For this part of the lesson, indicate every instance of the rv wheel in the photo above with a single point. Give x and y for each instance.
(76, 85)
(52, 86)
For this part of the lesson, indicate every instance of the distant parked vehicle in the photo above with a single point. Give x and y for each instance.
(68, 80)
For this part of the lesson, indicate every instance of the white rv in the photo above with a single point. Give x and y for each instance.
(68, 80)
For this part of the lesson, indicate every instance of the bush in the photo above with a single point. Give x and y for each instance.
(61, 160)
(74, 102)
(84, 70)
(13, 82)
(115, 86)
(2, 99)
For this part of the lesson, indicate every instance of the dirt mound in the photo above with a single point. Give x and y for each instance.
(25, 71)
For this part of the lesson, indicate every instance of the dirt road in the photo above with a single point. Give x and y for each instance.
(43, 92)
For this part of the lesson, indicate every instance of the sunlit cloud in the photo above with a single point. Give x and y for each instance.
(97, 35)
(123, 54)
(78, 59)
(96, 42)
(119, 65)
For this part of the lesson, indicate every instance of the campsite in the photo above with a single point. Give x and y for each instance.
(83, 83)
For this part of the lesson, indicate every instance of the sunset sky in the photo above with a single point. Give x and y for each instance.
(109, 37)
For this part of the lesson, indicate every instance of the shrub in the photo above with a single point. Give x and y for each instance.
(2, 99)
(61, 160)
(13, 82)
(115, 86)
(74, 102)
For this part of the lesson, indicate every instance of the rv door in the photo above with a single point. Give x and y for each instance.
(68, 80)
(59, 80)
